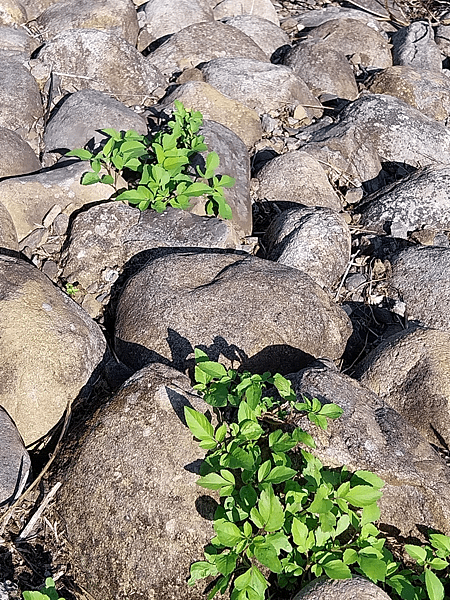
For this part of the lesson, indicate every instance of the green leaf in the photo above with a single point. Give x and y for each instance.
(256, 517)
(342, 525)
(226, 563)
(300, 534)
(362, 495)
(89, 178)
(373, 568)
(280, 474)
(214, 481)
(245, 412)
(253, 393)
(221, 432)
(200, 355)
(367, 477)
(212, 369)
(440, 542)
(434, 586)
(254, 579)
(402, 586)
(198, 424)
(212, 162)
(284, 386)
(250, 430)
(248, 497)
(350, 556)
(227, 181)
(107, 179)
(80, 153)
(336, 569)
(279, 541)
(318, 420)
(113, 133)
(200, 570)
(332, 411)
(264, 470)
(438, 564)
(271, 510)
(302, 437)
(281, 442)
(416, 552)
(321, 503)
(267, 556)
(370, 514)
(238, 458)
(228, 533)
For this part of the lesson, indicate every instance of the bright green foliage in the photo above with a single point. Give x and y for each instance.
(71, 289)
(281, 509)
(48, 592)
(160, 171)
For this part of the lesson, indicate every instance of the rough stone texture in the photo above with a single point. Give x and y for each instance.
(104, 62)
(63, 348)
(8, 235)
(266, 34)
(215, 106)
(354, 38)
(20, 100)
(15, 43)
(296, 177)
(235, 162)
(386, 126)
(442, 39)
(254, 312)
(314, 240)
(118, 18)
(104, 238)
(138, 464)
(82, 115)
(414, 46)
(421, 199)
(318, 16)
(15, 461)
(17, 157)
(411, 372)
(29, 198)
(372, 436)
(259, 85)
(425, 90)
(12, 12)
(258, 8)
(160, 19)
(323, 69)
(341, 589)
(35, 7)
(202, 42)
(422, 277)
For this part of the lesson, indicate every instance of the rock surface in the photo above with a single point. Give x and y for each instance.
(15, 463)
(341, 589)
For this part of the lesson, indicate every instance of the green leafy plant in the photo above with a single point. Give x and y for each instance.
(71, 289)
(48, 592)
(159, 171)
(284, 519)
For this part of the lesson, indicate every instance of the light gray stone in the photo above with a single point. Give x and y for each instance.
(247, 310)
(118, 18)
(410, 371)
(138, 463)
(259, 8)
(98, 60)
(202, 42)
(341, 589)
(8, 235)
(12, 13)
(259, 85)
(414, 46)
(372, 436)
(315, 240)
(269, 36)
(296, 177)
(57, 364)
(420, 200)
(15, 43)
(17, 157)
(15, 463)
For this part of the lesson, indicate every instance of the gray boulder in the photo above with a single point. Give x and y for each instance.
(265, 33)
(341, 589)
(420, 200)
(82, 115)
(8, 234)
(260, 85)
(372, 436)
(15, 43)
(318, 16)
(258, 8)
(414, 46)
(315, 240)
(103, 62)
(296, 177)
(104, 238)
(248, 310)
(118, 18)
(15, 463)
(202, 42)
(12, 13)
(422, 277)
(17, 157)
(324, 69)
(138, 463)
(63, 350)
(410, 371)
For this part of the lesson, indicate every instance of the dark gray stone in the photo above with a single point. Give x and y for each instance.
(414, 46)
(15, 463)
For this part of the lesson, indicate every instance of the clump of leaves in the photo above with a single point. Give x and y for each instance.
(159, 171)
(48, 592)
(71, 289)
(286, 513)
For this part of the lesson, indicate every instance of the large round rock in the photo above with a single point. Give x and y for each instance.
(252, 311)
(50, 349)
(134, 515)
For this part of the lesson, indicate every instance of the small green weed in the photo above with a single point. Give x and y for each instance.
(71, 289)
(48, 592)
(159, 172)
(284, 513)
